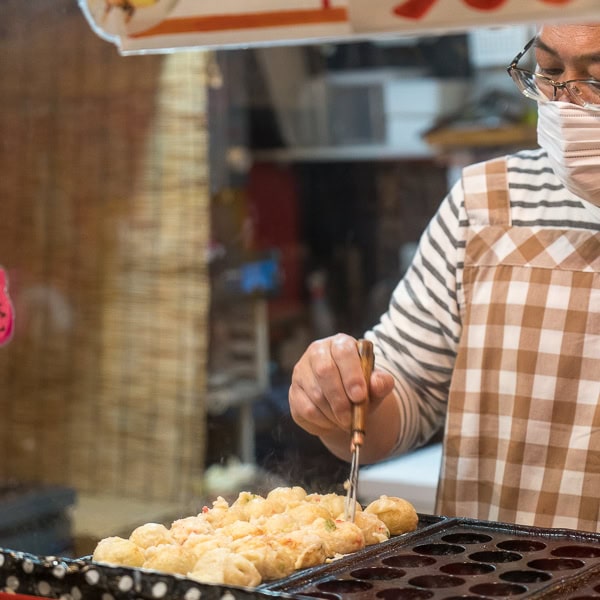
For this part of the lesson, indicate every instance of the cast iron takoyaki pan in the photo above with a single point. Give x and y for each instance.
(461, 559)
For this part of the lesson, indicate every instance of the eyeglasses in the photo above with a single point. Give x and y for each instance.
(538, 87)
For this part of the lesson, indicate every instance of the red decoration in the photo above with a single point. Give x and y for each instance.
(414, 9)
(417, 9)
(6, 310)
(484, 4)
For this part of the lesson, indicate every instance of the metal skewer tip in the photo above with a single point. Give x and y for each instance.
(357, 429)
(350, 504)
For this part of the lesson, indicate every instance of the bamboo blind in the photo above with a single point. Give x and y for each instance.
(103, 225)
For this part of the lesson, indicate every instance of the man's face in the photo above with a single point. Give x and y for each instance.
(566, 52)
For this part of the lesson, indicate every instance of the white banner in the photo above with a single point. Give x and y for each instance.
(165, 25)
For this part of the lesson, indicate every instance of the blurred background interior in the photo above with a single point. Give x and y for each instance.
(177, 228)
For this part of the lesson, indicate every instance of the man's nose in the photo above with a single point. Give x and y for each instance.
(561, 94)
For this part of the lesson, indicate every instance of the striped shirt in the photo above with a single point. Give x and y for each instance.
(417, 339)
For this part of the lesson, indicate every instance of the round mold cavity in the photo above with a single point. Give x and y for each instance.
(498, 589)
(408, 561)
(466, 537)
(344, 586)
(405, 594)
(439, 549)
(556, 564)
(378, 573)
(576, 552)
(495, 557)
(467, 568)
(521, 545)
(525, 576)
(465, 597)
(323, 596)
(436, 581)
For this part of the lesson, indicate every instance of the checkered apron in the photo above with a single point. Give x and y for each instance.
(522, 440)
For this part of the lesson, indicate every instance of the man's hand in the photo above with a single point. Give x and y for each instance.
(326, 380)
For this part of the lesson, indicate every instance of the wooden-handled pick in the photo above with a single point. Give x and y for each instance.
(357, 433)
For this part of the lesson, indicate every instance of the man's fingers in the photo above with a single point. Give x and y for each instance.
(311, 412)
(344, 351)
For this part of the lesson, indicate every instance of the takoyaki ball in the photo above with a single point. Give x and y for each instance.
(219, 504)
(213, 514)
(220, 514)
(151, 534)
(307, 512)
(251, 506)
(373, 528)
(222, 566)
(240, 529)
(398, 514)
(181, 529)
(334, 503)
(307, 549)
(199, 543)
(170, 558)
(281, 498)
(271, 560)
(339, 537)
(118, 551)
(278, 523)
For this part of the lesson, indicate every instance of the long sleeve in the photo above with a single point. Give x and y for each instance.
(416, 340)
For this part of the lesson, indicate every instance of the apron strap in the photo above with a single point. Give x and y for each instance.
(487, 199)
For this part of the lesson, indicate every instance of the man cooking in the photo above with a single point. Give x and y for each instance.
(494, 331)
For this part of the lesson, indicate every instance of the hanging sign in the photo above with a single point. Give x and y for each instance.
(137, 26)
(437, 15)
(163, 25)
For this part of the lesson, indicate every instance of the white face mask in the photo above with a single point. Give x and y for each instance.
(570, 134)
